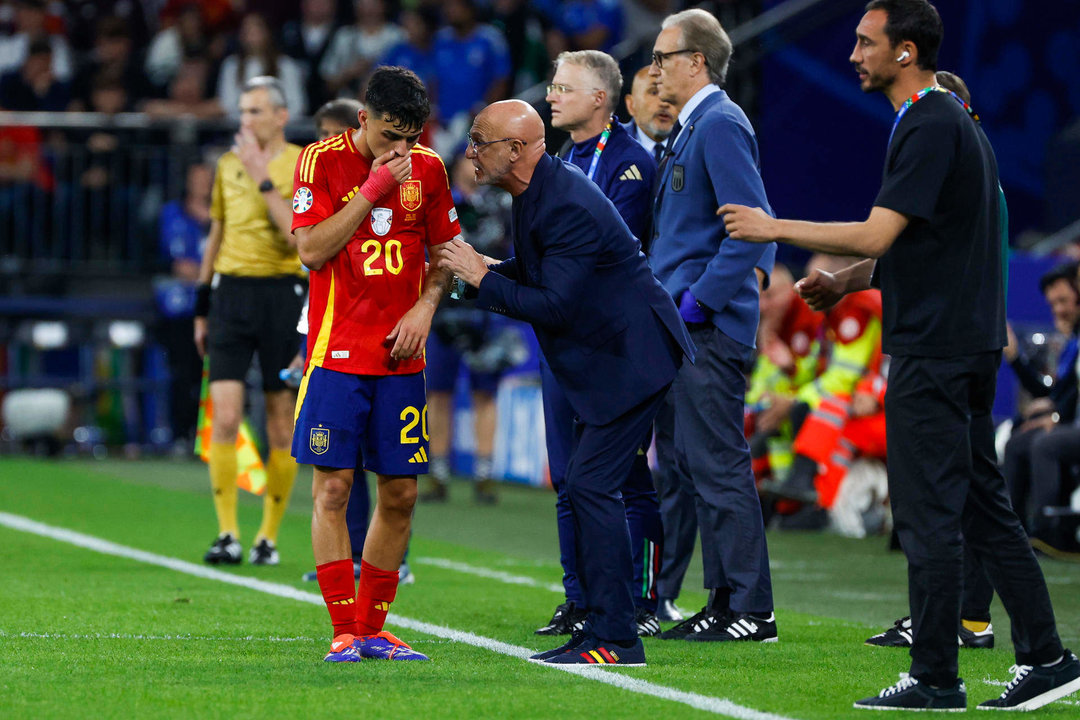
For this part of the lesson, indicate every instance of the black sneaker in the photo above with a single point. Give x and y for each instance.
(738, 627)
(647, 623)
(484, 492)
(695, 623)
(578, 637)
(667, 612)
(225, 550)
(594, 651)
(977, 640)
(568, 618)
(910, 694)
(899, 635)
(1034, 687)
(264, 553)
(435, 492)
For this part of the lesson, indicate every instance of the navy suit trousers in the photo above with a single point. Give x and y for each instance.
(704, 447)
(602, 458)
(639, 499)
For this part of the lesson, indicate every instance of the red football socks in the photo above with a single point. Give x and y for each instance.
(378, 588)
(337, 584)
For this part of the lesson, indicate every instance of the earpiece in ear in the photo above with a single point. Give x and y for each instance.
(903, 56)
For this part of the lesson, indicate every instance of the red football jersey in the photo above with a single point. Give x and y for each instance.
(359, 295)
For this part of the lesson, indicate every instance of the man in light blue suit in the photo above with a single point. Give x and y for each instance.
(610, 333)
(711, 157)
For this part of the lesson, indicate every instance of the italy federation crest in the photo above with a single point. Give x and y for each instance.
(677, 178)
(381, 219)
(320, 440)
(411, 196)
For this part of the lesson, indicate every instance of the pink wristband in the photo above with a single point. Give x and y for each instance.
(378, 184)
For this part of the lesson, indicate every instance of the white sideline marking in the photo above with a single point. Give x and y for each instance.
(486, 573)
(132, 636)
(716, 705)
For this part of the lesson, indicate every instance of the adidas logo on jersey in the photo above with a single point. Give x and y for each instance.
(631, 173)
(420, 456)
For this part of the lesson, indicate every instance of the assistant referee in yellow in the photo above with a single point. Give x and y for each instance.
(251, 288)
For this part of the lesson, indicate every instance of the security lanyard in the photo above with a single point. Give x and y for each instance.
(600, 145)
(919, 96)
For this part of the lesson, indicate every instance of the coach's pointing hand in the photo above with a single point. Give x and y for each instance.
(458, 257)
(749, 224)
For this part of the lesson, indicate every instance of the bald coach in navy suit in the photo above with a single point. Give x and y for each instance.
(610, 332)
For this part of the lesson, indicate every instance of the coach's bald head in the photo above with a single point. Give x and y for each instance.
(507, 143)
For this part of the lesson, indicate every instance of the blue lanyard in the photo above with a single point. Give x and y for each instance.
(600, 145)
(919, 96)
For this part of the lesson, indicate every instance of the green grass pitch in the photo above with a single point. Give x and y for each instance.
(87, 634)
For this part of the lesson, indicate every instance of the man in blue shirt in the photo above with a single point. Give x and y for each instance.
(583, 95)
(711, 157)
(472, 63)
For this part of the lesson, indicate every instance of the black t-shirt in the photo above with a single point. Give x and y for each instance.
(941, 281)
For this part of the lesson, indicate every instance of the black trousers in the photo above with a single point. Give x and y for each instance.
(598, 468)
(946, 490)
(1053, 454)
(677, 513)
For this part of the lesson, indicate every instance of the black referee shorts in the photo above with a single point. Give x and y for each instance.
(249, 315)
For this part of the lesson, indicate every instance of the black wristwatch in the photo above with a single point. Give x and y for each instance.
(266, 185)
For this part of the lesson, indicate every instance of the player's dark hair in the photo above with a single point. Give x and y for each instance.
(397, 94)
(1065, 271)
(916, 21)
(342, 111)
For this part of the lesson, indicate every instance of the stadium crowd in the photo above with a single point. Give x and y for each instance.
(806, 450)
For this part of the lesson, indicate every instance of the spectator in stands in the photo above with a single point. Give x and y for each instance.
(591, 24)
(1032, 467)
(464, 336)
(258, 56)
(84, 18)
(525, 28)
(306, 40)
(417, 51)
(186, 36)
(356, 48)
(188, 93)
(472, 61)
(35, 86)
(182, 233)
(31, 25)
(112, 57)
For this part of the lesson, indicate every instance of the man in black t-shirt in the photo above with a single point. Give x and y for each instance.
(934, 227)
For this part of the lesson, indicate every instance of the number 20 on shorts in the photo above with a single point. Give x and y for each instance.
(413, 417)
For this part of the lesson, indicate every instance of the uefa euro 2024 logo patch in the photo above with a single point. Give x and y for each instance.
(301, 200)
(320, 440)
(381, 219)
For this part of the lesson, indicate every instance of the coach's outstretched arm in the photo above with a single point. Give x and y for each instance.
(318, 243)
(871, 238)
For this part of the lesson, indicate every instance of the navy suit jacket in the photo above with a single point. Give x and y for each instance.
(714, 161)
(609, 331)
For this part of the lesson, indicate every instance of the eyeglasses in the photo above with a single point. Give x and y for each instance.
(560, 89)
(658, 57)
(473, 144)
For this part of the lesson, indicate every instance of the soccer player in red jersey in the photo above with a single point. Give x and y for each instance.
(367, 204)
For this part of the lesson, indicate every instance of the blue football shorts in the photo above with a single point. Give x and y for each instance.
(374, 422)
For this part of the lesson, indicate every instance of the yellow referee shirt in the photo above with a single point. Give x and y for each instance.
(251, 244)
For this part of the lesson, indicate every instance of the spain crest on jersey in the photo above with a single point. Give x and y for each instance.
(320, 440)
(411, 196)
